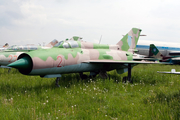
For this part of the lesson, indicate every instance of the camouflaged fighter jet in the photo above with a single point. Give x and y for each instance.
(155, 53)
(77, 56)
(11, 53)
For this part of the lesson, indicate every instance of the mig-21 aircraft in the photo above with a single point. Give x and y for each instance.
(155, 53)
(77, 56)
(11, 54)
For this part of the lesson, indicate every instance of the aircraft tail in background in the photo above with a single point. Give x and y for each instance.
(154, 52)
(52, 43)
(6, 45)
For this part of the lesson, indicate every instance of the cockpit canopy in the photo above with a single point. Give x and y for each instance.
(67, 44)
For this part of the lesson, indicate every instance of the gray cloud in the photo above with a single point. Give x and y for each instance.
(37, 21)
(9, 11)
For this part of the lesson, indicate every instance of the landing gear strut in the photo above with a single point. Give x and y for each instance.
(9, 70)
(57, 82)
(129, 75)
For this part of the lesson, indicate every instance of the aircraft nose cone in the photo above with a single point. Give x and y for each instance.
(22, 63)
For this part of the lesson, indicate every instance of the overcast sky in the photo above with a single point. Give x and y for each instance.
(37, 21)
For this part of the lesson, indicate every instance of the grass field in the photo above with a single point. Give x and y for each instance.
(151, 96)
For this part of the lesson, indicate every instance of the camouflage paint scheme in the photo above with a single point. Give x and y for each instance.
(155, 53)
(11, 54)
(75, 56)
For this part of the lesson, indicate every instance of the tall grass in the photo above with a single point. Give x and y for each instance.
(151, 96)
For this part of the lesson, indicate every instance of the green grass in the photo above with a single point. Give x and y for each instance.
(151, 96)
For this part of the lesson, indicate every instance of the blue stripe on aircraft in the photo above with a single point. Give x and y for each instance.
(159, 47)
(129, 40)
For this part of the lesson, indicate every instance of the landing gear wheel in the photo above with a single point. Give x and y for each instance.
(9, 70)
(124, 79)
(83, 76)
(93, 74)
(103, 74)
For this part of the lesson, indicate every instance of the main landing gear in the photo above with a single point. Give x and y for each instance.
(83, 76)
(57, 81)
(9, 70)
(102, 74)
(128, 78)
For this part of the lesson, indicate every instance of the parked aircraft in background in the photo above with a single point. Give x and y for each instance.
(30, 47)
(167, 52)
(4, 47)
(11, 53)
(155, 53)
(77, 56)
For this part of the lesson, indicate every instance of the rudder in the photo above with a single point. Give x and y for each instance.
(130, 40)
(154, 52)
(52, 43)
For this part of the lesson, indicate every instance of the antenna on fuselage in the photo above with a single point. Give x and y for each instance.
(100, 39)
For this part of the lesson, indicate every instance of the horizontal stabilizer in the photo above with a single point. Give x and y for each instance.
(174, 53)
(173, 71)
(149, 59)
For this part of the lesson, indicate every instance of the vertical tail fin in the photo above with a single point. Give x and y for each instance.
(129, 41)
(154, 52)
(6, 45)
(52, 43)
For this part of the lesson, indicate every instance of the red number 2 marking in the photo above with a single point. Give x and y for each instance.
(59, 57)
(11, 57)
